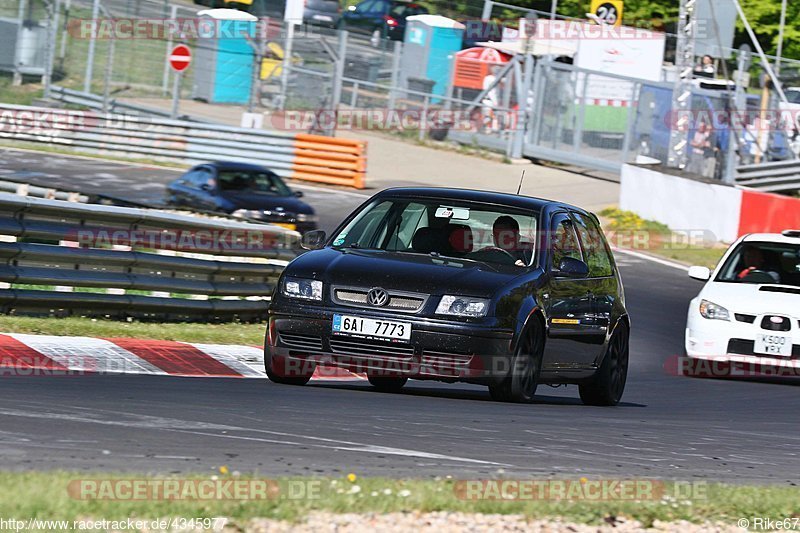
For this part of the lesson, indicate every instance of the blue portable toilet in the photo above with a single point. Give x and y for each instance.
(223, 59)
(429, 50)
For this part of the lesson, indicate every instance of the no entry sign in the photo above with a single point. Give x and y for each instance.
(180, 58)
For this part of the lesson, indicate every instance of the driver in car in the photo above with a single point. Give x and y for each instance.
(505, 232)
(753, 261)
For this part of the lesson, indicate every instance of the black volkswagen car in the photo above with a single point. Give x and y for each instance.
(456, 285)
(245, 190)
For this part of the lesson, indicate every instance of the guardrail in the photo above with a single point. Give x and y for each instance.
(774, 176)
(295, 156)
(121, 261)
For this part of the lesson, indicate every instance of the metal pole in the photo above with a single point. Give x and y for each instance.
(338, 75)
(423, 119)
(258, 59)
(63, 53)
(486, 14)
(109, 70)
(20, 23)
(729, 173)
(397, 54)
(631, 122)
(165, 80)
(525, 111)
(553, 9)
(781, 31)
(577, 130)
(52, 37)
(287, 63)
(176, 95)
(87, 80)
(760, 51)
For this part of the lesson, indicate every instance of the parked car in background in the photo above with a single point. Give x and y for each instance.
(496, 289)
(322, 12)
(381, 19)
(245, 190)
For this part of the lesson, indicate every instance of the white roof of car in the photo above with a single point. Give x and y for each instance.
(772, 237)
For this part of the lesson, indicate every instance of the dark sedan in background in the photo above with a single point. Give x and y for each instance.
(245, 190)
(455, 285)
(380, 19)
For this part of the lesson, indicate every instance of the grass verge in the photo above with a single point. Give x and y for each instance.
(45, 495)
(629, 231)
(233, 333)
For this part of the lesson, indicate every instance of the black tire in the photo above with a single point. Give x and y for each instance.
(526, 367)
(385, 384)
(284, 380)
(608, 385)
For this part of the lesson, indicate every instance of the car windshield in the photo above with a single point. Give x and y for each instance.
(254, 182)
(793, 96)
(441, 227)
(764, 263)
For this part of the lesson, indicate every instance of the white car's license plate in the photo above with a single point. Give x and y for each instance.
(324, 18)
(767, 344)
(368, 327)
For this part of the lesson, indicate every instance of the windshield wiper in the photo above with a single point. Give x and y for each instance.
(437, 255)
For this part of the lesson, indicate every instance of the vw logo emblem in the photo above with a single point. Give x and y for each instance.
(377, 297)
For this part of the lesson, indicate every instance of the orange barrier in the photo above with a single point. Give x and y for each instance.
(330, 160)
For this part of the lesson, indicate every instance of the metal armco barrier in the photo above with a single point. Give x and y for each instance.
(296, 156)
(109, 259)
(775, 176)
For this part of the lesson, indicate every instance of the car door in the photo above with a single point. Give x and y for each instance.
(568, 303)
(602, 279)
(201, 191)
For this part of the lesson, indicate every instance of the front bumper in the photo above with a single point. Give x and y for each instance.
(299, 340)
(733, 341)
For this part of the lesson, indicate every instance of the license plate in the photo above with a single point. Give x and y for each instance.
(325, 18)
(371, 328)
(773, 345)
(287, 226)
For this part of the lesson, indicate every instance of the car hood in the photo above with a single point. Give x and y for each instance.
(251, 200)
(407, 272)
(754, 299)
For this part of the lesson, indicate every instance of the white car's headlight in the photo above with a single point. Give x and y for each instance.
(302, 217)
(306, 289)
(713, 311)
(459, 306)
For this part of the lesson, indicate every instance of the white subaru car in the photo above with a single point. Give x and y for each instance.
(749, 309)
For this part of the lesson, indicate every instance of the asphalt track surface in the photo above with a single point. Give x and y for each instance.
(666, 427)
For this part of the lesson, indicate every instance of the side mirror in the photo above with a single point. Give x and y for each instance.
(206, 187)
(699, 273)
(298, 194)
(572, 268)
(313, 240)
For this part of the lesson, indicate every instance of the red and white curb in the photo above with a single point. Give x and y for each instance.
(24, 354)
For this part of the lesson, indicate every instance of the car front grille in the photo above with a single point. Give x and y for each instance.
(362, 347)
(445, 359)
(400, 301)
(745, 347)
(302, 341)
(781, 323)
(745, 318)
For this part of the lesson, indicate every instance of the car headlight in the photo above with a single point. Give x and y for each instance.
(302, 217)
(248, 213)
(713, 311)
(459, 306)
(305, 289)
